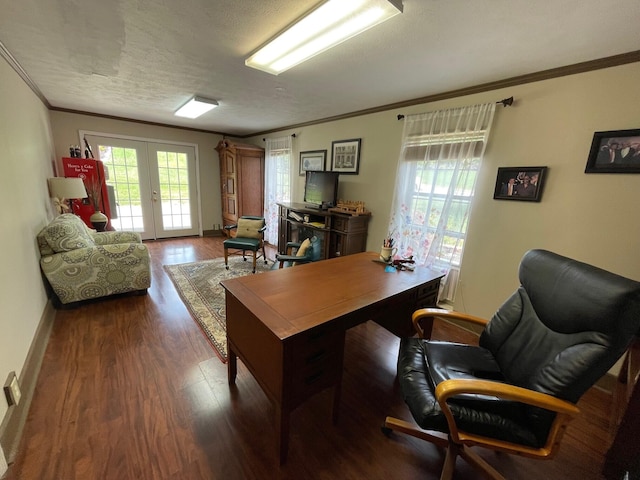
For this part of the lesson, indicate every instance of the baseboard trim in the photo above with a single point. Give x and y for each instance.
(13, 423)
(212, 233)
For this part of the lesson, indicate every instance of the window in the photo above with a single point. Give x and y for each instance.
(439, 163)
(277, 182)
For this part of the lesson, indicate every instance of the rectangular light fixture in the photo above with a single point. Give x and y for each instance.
(196, 107)
(331, 23)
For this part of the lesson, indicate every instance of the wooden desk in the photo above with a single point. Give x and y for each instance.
(288, 326)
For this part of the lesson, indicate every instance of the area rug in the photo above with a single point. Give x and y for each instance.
(198, 284)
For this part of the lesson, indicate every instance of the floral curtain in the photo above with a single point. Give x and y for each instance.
(277, 182)
(440, 158)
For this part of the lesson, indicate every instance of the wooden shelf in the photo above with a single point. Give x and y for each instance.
(340, 233)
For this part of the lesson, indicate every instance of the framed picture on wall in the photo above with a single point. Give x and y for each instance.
(313, 161)
(519, 183)
(615, 151)
(345, 156)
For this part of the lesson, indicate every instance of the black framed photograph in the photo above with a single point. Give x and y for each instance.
(313, 161)
(345, 156)
(519, 183)
(615, 151)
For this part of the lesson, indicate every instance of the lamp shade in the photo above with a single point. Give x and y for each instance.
(61, 187)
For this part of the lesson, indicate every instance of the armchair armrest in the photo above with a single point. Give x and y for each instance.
(429, 314)
(292, 258)
(112, 238)
(564, 410)
(291, 246)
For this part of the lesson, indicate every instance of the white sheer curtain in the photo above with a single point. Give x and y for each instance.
(439, 162)
(277, 179)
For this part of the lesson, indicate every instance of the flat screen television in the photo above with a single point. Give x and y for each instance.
(321, 189)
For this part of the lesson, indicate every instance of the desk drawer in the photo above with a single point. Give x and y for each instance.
(427, 292)
(316, 361)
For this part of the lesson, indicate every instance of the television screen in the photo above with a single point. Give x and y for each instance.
(321, 189)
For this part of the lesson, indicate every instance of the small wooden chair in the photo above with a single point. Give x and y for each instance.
(310, 250)
(249, 237)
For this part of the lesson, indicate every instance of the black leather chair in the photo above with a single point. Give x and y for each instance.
(563, 329)
(249, 236)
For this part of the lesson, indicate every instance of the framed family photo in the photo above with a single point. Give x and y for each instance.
(519, 183)
(313, 161)
(615, 151)
(345, 156)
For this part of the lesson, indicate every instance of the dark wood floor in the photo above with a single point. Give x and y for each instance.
(130, 389)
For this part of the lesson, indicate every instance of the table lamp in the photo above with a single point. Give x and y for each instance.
(66, 188)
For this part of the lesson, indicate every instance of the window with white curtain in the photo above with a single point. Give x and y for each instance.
(439, 163)
(277, 173)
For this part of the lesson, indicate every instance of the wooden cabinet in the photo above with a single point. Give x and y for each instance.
(241, 180)
(622, 457)
(340, 234)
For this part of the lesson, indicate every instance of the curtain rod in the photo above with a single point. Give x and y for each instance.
(293, 135)
(506, 102)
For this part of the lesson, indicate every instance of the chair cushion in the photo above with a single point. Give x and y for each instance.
(422, 365)
(242, 243)
(248, 228)
(302, 249)
(65, 233)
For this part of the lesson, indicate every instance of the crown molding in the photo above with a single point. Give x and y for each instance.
(601, 63)
(13, 63)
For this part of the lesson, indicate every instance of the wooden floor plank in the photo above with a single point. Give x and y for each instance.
(131, 389)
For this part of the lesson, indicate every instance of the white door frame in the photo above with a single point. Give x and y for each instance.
(82, 133)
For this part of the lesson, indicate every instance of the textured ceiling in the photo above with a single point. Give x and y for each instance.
(143, 59)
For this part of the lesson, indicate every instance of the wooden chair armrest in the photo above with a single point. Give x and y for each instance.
(291, 246)
(450, 388)
(431, 313)
(565, 411)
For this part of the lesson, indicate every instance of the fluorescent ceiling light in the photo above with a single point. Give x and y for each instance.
(331, 23)
(196, 107)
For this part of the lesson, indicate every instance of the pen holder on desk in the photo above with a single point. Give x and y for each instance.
(387, 253)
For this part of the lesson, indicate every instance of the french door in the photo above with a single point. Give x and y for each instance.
(153, 186)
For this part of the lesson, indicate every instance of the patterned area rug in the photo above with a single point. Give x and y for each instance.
(198, 284)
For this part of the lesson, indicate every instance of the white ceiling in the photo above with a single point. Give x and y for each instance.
(142, 59)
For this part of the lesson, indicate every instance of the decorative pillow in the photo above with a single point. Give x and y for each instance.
(304, 246)
(302, 250)
(248, 228)
(67, 232)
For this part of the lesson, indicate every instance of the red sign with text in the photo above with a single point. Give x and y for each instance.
(91, 171)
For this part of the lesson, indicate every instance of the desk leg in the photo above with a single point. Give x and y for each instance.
(282, 432)
(232, 365)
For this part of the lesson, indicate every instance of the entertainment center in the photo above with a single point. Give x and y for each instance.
(340, 233)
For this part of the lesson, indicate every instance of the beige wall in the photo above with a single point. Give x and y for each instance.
(589, 217)
(67, 125)
(593, 218)
(26, 161)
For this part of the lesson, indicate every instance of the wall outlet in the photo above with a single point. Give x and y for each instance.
(12, 389)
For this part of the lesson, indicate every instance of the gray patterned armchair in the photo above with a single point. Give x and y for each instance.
(81, 264)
